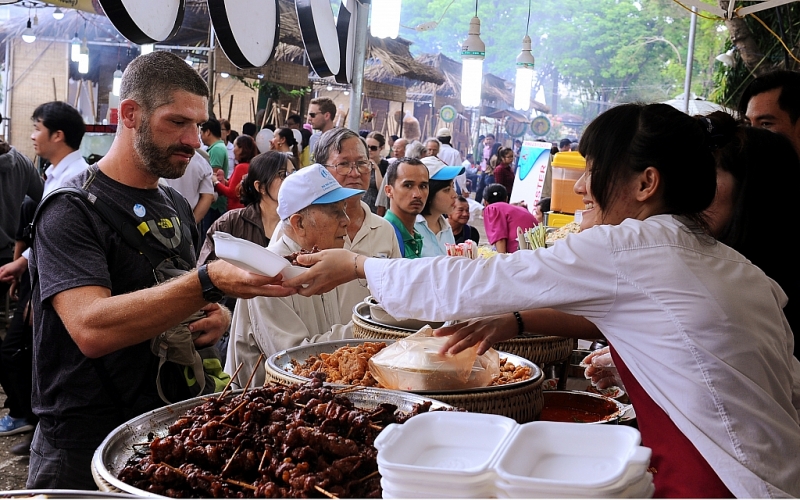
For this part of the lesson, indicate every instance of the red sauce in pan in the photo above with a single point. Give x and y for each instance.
(574, 407)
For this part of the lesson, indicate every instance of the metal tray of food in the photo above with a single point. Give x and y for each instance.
(281, 362)
(114, 452)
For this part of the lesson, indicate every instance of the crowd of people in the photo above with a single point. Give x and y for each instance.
(672, 266)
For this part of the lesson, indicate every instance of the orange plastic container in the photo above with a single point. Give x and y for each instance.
(567, 169)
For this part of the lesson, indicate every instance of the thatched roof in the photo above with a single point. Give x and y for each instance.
(392, 58)
(494, 88)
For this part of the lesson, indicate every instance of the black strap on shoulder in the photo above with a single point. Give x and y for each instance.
(112, 217)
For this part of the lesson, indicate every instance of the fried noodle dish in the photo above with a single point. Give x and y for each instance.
(349, 365)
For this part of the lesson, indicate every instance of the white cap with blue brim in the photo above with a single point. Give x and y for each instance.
(439, 171)
(312, 185)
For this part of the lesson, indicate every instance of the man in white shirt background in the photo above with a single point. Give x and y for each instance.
(58, 130)
(452, 158)
(196, 185)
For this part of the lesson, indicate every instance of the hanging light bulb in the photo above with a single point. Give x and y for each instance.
(224, 74)
(76, 48)
(472, 54)
(329, 88)
(35, 17)
(28, 36)
(83, 58)
(346, 92)
(117, 80)
(146, 48)
(525, 63)
(58, 14)
(385, 19)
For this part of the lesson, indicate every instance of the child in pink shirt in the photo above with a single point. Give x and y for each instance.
(501, 220)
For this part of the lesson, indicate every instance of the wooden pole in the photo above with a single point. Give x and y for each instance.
(90, 88)
(55, 94)
(219, 103)
(78, 94)
(230, 108)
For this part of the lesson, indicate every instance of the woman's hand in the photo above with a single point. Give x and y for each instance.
(481, 331)
(601, 370)
(329, 269)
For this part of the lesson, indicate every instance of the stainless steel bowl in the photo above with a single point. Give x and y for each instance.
(117, 449)
(281, 362)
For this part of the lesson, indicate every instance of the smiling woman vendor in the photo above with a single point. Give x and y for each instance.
(697, 331)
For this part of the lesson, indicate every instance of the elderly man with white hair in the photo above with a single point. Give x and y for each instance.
(312, 207)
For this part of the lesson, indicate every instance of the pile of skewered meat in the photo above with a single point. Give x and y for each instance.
(292, 257)
(273, 441)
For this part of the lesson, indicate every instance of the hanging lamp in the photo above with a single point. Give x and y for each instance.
(75, 44)
(473, 52)
(525, 64)
(117, 81)
(28, 36)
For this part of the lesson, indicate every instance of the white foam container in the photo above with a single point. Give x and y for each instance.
(471, 455)
(406, 489)
(252, 257)
(642, 488)
(557, 455)
(443, 448)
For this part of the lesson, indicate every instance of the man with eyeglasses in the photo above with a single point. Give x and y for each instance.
(344, 154)
(321, 113)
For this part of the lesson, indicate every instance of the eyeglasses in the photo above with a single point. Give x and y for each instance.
(312, 115)
(345, 167)
(374, 148)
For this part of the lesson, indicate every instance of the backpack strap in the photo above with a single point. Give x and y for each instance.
(400, 240)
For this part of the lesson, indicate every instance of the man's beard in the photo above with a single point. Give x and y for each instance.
(156, 160)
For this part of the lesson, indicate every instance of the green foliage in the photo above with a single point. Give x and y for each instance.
(785, 21)
(272, 90)
(605, 51)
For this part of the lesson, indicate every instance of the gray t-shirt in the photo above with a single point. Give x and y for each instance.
(80, 400)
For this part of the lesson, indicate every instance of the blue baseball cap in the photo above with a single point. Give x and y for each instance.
(439, 171)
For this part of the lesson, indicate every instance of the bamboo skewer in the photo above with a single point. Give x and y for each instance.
(173, 469)
(232, 412)
(240, 484)
(260, 357)
(222, 394)
(325, 492)
(368, 476)
(352, 388)
(228, 463)
(263, 457)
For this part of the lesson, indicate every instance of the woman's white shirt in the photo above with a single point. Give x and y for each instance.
(699, 326)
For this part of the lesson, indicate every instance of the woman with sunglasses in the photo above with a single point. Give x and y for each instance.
(375, 143)
(696, 331)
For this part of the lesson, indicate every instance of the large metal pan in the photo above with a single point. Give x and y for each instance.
(114, 452)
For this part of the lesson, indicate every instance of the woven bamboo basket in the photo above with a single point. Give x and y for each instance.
(535, 348)
(522, 402)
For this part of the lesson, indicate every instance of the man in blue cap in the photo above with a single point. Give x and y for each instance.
(431, 224)
(312, 208)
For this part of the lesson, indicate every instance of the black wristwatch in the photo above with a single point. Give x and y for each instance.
(210, 292)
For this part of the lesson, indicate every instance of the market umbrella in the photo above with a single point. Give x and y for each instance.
(698, 105)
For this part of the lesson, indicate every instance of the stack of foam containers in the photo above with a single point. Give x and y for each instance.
(473, 455)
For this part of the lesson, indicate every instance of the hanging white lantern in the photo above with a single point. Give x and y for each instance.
(472, 54)
(385, 19)
(117, 81)
(75, 44)
(525, 63)
(146, 48)
(58, 14)
(83, 58)
(28, 36)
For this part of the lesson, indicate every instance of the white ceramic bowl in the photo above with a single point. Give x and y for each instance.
(252, 257)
